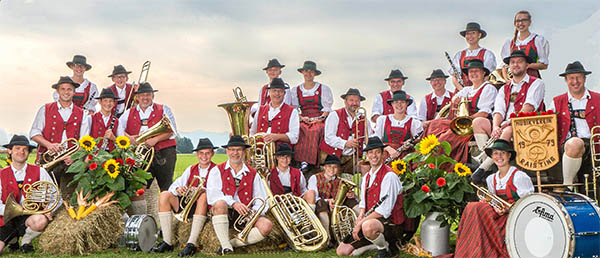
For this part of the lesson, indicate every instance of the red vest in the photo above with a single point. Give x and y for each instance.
(79, 99)
(521, 95)
(371, 195)
(463, 63)
(134, 123)
(277, 187)
(244, 191)
(195, 171)
(311, 105)
(344, 131)
(592, 113)
(327, 188)
(127, 94)
(10, 186)
(475, 99)
(264, 98)
(432, 106)
(530, 50)
(279, 124)
(395, 136)
(387, 108)
(54, 125)
(97, 128)
(509, 194)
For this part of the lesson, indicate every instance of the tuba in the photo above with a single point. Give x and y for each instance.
(260, 154)
(343, 218)
(238, 113)
(462, 124)
(142, 151)
(495, 201)
(49, 159)
(41, 197)
(189, 197)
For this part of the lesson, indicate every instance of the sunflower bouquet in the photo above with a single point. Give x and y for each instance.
(99, 173)
(433, 181)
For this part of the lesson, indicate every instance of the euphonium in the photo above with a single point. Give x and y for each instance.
(343, 218)
(142, 151)
(462, 124)
(495, 201)
(243, 224)
(40, 197)
(189, 197)
(50, 159)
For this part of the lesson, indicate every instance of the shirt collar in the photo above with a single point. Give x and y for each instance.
(525, 79)
(16, 170)
(150, 108)
(285, 171)
(518, 41)
(275, 109)
(445, 95)
(70, 107)
(244, 170)
(317, 84)
(586, 95)
(373, 172)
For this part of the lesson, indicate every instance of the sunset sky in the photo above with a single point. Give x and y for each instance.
(200, 50)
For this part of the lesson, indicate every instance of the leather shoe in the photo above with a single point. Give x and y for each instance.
(225, 251)
(189, 250)
(162, 247)
(26, 248)
(383, 253)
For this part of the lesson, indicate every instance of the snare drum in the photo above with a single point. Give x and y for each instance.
(140, 232)
(553, 225)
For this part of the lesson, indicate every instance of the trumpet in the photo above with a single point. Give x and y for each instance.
(495, 201)
(41, 197)
(243, 224)
(67, 148)
(189, 197)
(143, 78)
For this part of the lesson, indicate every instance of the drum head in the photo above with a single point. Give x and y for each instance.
(147, 233)
(537, 227)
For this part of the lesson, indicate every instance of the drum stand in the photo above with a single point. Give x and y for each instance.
(560, 187)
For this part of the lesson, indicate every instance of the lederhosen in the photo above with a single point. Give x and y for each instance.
(10, 186)
(310, 134)
(165, 155)
(97, 129)
(195, 171)
(463, 61)
(432, 107)
(531, 51)
(278, 188)
(81, 98)
(121, 101)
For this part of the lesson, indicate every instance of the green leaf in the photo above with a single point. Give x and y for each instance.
(143, 174)
(457, 196)
(119, 184)
(419, 196)
(447, 147)
(123, 200)
(444, 159)
(77, 167)
(79, 154)
(437, 195)
(414, 210)
(411, 156)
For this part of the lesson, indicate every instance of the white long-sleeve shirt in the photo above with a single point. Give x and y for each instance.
(415, 127)
(326, 97)
(521, 181)
(183, 179)
(390, 186)
(486, 99)
(293, 126)
(285, 179)
(543, 48)
(534, 97)
(377, 108)
(20, 176)
(583, 130)
(489, 59)
(331, 128)
(90, 103)
(422, 110)
(214, 185)
(145, 115)
(65, 112)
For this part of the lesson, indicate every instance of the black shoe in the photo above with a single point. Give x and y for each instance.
(383, 253)
(13, 247)
(225, 251)
(26, 248)
(478, 175)
(189, 250)
(331, 244)
(162, 247)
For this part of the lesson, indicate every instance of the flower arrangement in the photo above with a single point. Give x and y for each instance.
(99, 173)
(522, 114)
(430, 188)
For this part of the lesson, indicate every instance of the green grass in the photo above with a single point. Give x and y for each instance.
(185, 160)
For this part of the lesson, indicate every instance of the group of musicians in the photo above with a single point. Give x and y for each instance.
(305, 129)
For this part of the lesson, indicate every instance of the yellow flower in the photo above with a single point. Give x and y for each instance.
(87, 142)
(461, 169)
(122, 142)
(111, 167)
(399, 166)
(428, 143)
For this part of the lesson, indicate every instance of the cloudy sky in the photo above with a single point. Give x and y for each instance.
(200, 50)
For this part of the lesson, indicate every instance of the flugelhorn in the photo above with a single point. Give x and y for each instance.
(143, 78)
(40, 197)
(49, 159)
(343, 218)
(189, 198)
(495, 201)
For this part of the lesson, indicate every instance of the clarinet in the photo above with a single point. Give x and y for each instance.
(110, 127)
(405, 146)
(455, 71)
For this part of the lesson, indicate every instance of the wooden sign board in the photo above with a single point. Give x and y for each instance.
(536, 141)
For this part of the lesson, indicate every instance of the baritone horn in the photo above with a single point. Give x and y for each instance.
(41, 197)
(189, 198)
(462, 124)
(243, 224)
(144, 152)
(49, 159)
(343, 218)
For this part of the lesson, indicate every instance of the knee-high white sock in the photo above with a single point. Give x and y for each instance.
(361, 250)
(312, 206)
(570, 168)
(253, 237)
(481, 139)
(324, 218)
(197, 225)
(221, 226)
(166, 224)
(380, 242)
(139, 207)
(29, 236)
(487, 163)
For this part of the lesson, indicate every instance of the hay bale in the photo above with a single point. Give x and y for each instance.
(151, 196)
(94, 233)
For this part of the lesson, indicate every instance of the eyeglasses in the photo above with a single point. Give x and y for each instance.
(521, 20)
(120, 77)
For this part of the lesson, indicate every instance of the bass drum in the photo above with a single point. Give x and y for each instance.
(553, 225)
(140, 232)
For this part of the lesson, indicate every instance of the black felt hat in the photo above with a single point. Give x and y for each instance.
(310, 65)
(353, 91)
(119, 69)
(475, 63)
(400, 95)
(65, 79)
(19, 140)
(374, 143)
(277, 83)
(437, 73)
(502, 145)
(283, 149)
(273, 63)
(107, 93)
(518, 53)
(575, 67)
(79, 59)
(236, 140)
(145, 87)
(204, 143)
(395, 74)
(332, 159)
(473, 26)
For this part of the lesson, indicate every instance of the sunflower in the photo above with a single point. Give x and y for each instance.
(122, 142)
(112, 168)
(461, 169)
(87, 142)
(428, 143)
(399, 166)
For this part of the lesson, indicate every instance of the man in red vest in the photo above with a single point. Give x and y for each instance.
(168, 201)
(472, 34)
(524, 93)
(381, 193)
(136, 121)
(104, 124)
(278, 121)
(380, 106)
(273, 70)
(121, 89)
(55, 123)
(284, 178)
(434, 101)
(84, 95)
(340, 129)
(578, 111)
(12, 180)
(230, 188)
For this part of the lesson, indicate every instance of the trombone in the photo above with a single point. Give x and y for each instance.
(361, 116)
(143, 78)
